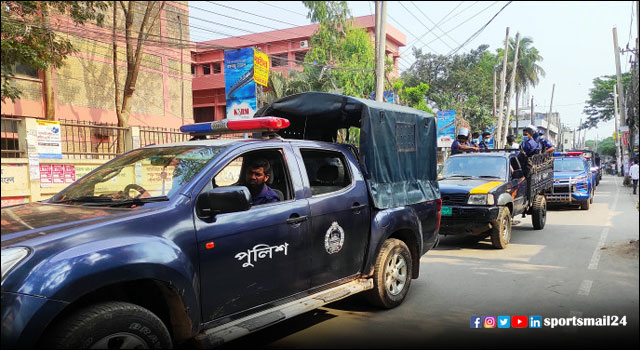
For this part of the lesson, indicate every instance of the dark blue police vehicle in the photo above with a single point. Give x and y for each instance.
(162, 247)
(573, 180)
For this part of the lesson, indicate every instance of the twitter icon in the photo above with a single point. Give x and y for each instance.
(504, 321)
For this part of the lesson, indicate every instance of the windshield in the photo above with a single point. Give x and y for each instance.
(141, 174)
(568, 165)
(476, 167)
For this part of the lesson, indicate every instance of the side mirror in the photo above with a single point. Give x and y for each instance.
(220, 200)
(518, 174)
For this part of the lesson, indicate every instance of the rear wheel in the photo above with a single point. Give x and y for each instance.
(539, 212)
(501, 231)
(109, 325)
(392, 275)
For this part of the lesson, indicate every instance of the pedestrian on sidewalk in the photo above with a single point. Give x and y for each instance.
(633, 171)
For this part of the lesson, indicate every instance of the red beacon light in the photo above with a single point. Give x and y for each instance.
(574, 153)
(227, 126)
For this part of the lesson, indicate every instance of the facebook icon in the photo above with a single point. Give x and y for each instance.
(476, 322)
(535, 321)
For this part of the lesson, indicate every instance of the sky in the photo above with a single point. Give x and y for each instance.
(575, 39)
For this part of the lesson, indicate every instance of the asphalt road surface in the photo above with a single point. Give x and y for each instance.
(584, 264)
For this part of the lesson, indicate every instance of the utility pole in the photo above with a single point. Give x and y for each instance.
(503, 88)
(531, 110)
(553, 89)
(381, 36)
(514, 70)
(617, 134)
(181, 74)
(495, 89)
(623, 111)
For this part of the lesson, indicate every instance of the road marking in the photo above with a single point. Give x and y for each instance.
(595, 258)
(577, 314)
(585, 287)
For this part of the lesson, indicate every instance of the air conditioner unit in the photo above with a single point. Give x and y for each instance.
(304, 43)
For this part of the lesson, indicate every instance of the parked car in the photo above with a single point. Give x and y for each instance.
(163, 246)
(482, 192)
(573, 180)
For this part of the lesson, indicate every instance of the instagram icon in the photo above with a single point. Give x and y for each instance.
(489, 322)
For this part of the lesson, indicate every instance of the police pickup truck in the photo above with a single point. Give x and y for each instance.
(482, 192)
(574, 180)
(166, 245)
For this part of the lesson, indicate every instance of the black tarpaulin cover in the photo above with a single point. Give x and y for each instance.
(397, 143)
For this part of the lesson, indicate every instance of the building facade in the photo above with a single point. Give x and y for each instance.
(84, 89)
(284, 47)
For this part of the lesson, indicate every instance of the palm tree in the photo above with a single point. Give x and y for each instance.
(528, 72)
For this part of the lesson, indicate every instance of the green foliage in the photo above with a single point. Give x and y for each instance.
(414, 96)
(28, 39)
(528, 72)
(606, 147)
(337, 43)
(461, 82)
(600, 105)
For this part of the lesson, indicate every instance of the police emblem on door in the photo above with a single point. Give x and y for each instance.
(334, 239)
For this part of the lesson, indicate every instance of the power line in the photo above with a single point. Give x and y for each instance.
(417, 19)
(439, 22)
(256, 15)
(475, 35)
(282, 8)
(467, 20)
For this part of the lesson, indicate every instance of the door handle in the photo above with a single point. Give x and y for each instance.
(357, 207)
(296, 220)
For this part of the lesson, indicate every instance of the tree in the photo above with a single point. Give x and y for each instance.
(461, 82)
(28, 38)
(345, 51)
(600, 104)
(134, 39)
(528, 71)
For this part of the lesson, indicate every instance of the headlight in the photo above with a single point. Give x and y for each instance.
(579, 179)
(11, 257)
(480, 199)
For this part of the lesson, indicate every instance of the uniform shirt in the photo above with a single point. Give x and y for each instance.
(545, 144)
(267, 195)
(530, 147)
(455, 147)
(633, 171)
(484, 144)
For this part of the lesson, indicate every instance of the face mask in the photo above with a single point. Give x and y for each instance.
(476, 140)
(525, 137)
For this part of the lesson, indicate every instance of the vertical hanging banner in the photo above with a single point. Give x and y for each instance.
(260, 68)
(240, 88)
(446, 128)
(49, 139)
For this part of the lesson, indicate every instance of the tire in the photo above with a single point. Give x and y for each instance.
(392, 275)
(584, 205)
(539, 212)
(109, 325)
(501, 231)
(593, 194)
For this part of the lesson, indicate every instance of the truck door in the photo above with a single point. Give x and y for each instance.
(253, 257)
(518, 186)
(339, 206)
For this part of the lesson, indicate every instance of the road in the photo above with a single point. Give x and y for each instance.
(583, 264)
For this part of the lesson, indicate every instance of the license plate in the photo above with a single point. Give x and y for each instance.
(446, 211)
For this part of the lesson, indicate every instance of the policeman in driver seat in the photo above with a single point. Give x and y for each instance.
(255, 178)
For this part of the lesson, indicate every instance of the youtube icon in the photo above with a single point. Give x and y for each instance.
(519, 321)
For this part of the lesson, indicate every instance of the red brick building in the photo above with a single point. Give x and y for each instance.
(291, 44)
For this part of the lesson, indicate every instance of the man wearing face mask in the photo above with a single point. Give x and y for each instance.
(475, 140)
(486, 137)
(545, 145)
(460, 145)
(529, 144)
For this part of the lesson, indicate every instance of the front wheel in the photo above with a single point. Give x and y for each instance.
(501, 231)
(584, 205)
(539, 212)
(392, 275)
(109, 325)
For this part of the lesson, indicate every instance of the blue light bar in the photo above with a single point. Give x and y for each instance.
(200, 128)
